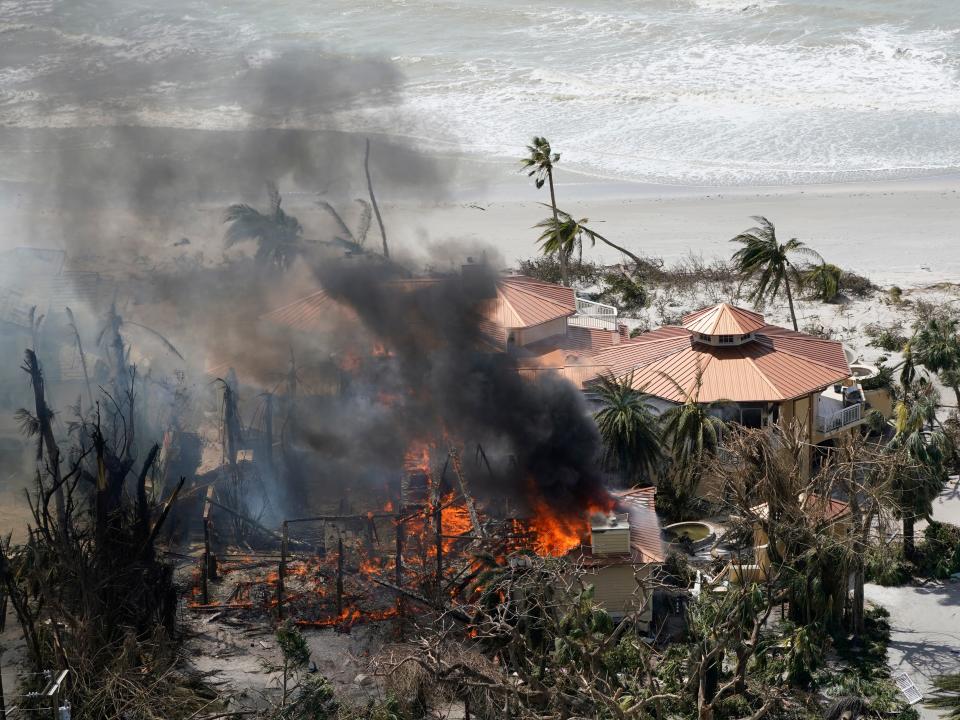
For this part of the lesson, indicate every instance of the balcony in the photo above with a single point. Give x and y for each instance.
(594, 315)
(840, 419)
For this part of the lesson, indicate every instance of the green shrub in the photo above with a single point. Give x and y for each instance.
(889, 338)
(885, 565)
(882, 380)
(938, 556)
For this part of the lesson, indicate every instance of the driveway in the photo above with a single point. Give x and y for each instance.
(925, 619)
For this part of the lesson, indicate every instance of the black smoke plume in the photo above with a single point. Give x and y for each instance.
(438, 378)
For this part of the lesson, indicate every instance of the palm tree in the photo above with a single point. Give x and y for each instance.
(936, 346)
(766, 261)
(562, 234)
(539, 165)
(921, 475)
(628, 428)
(946, 695)
(823, 279)
(278, 235)
(692, 431)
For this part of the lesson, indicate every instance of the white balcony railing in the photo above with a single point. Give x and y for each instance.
(842, 418)
(599, 315)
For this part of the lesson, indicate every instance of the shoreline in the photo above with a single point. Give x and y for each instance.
(902, 232)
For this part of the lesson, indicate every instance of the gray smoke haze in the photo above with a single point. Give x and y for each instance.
(131, 127)
(136, 141)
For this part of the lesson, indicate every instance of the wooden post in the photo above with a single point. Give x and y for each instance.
(438, 524)
(282, 571)
(339, 576)
(398, 569)
(205, 565)
(466, 708)
(467, 498)
(268, 432)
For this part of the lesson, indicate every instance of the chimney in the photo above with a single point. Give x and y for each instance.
(610, 534)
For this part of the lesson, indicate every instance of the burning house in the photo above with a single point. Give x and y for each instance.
(410, 437)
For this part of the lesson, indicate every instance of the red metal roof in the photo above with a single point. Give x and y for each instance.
(645, 536)
(524, 302)
(723, 319)
(776, 365)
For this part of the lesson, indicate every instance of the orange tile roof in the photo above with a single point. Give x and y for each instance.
(776, 365)
(723, 319)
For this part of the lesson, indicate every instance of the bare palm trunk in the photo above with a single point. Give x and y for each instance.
(373, 200)
(564, 260)
(83, 358)
(908, 536)
(793, 314)
(636, 260)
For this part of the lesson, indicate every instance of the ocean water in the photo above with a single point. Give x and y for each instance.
(669, 91)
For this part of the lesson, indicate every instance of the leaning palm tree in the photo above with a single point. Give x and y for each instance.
(692, 431)
(539, 165)
(946, 695)
(562, 235)
(823, 281)
(628, 428)
(278, 235)
(767, 262)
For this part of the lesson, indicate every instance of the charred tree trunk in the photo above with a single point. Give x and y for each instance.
(373, 200)
(44, 417)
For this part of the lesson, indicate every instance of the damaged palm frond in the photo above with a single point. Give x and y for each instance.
(279, 236)
(27, 423)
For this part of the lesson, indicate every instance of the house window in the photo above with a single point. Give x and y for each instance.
(745, 337)
(705, 338)
(726, 339)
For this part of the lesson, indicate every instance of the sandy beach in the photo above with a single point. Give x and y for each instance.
(895, 232)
